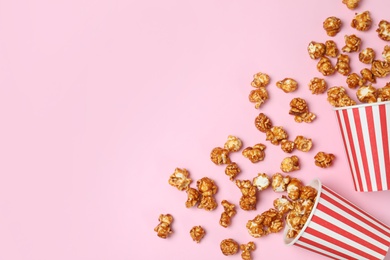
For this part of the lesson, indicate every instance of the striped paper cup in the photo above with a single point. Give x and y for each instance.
(338, 229)
(366, 134)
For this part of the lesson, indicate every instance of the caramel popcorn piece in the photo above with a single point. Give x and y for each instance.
(233, 144)
(287, 146)
(229, 212)
(325, 66)
(380, 69)
(263, 123)
(386, 53)
(180, 179)
(351, 4)
(270, 221)
(317, 86)
(305, 117)
(207, 186)
(208, 203)
(367, 75)
(324, 160)
(290, 164)
(384, 93)
(367, 94)
(332, 25)
(338, 97)
(308, 193)
(220, 156)
(354, 80)
(352, 43)
(232, 170)
(197, 233)
(193, 197)
(248, 199)
(303, 144)
(384, 30)
(367, 55)
(362, 21)
(229, 246)
(258, 96)
(342, 64)
(287, 85)
(294, 189)
(279, 182)
(260, 80)
(255, 154)
(276, 134)
(298, 106)
(261, 181)
(246, 250)
(316, 50)
(283, 205)
(331, 49)
(163, 229)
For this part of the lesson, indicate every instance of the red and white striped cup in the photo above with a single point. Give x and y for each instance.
(366, 134)
(338, 229)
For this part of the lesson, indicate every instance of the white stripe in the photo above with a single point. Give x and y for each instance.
(352, 230)
(334, 256)
(367, 145)
(355, 141)
(388, 126)
(348, 145)
(379, 145)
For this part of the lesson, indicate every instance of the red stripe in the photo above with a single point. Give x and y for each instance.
(374, 148)
(345, 147)
(385, 143)
(353, 151)
(384, 229)
(345, 233)
(363, 154)
(339, 243)
(325, 248)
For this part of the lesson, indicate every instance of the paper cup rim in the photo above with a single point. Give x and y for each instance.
(362, 105)
(316, 183)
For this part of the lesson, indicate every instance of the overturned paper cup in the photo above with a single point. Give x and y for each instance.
(365, 130)
(338, 229)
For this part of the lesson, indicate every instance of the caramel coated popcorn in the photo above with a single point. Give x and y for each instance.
(233, 144)
(287, 85)
(380, 68)
(207, 188)
(325, 66)
(367, 94)
(367, 55)
(386, 53)
(354, 80)
(197, 233)
(193, 197)
(352, 43)
(229, 212)
(384, 30)
(351, 4)
(258, 96)
(384, 93)
(367, 75)
(232, 170)
(246, 250)
(331, 49)
(290, 164)
(260, 80)
(318, 85)
(261, 181)
(338, 97)
(163, 229)
(294, 189)
(279, 182)
(229, 246)
(332, 25)
(303, 144)
(362, 21)
(324, 160)
(287, 146)
(220, 156)
(208, 203)
(316, 50)
(263, 123)
(342, 64)
(255, 154)
(248, 199)
(180, 179)
(276, 134)
(270, 221)
(283, 205)
(298, 106)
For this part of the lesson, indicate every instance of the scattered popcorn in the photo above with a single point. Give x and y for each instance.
(302, 143)
(276, 134)
(324, 160)
(260, 80)
(246, 250)
(305, 117)
(386, 53)
(384, 30)
(342, 64)
(332, 25)
(367, 55)
(287, 85)
(258, 96)
(263, 123)
(279, 182)
(380, 69)
(354, 80)
(367, 75)
(283, 205)
(207, 188)
(208, 203)
(220, 156)
(193, 197)
(352, 43)
(261, 181)
(255, 154)
(233, 144)
(298, 106)
(180, 179)
(229, 246)
(362, 21)
(290, 164)
(248, 199)
(384, 93)
(338, 97)
(229, 212)
(351, 4)
(287, 146)
(294, 189)
(318, 86)
(316, 50)
(163, 229)
(308, 193)
(232, 170)
(325, 66)
(270, 221)
(197, 233)
(367, 94)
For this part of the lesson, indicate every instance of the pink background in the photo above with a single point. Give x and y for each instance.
(101, 100)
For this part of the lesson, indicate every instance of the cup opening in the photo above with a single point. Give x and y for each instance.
(362, 105)
(316, 183)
